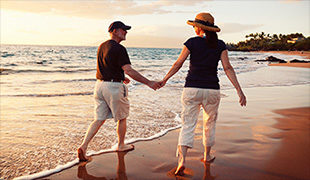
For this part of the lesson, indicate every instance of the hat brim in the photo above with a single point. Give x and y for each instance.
(209, 28)
(126, 27)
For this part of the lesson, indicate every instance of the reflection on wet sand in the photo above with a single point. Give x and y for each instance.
(207, 175)
(120, 173)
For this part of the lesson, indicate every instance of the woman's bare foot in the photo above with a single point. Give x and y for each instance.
(208, 159)
(125, 147)
(180, 170)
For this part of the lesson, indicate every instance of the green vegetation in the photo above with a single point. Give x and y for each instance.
(267, 42)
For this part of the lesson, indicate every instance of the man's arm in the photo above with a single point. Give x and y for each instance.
(140, 78)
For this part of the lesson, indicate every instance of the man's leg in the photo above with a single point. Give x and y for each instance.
(92, 130)
(121, 132)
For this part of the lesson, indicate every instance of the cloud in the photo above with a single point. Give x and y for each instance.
(167, 30)
(290, 1)
(27, 31)
(237, 27)
(96, 9)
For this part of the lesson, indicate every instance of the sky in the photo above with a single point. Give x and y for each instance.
(155, 23)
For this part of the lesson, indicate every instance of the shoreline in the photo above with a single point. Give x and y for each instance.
(305, 54)
(249, 143)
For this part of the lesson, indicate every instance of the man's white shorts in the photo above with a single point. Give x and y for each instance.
(111, 100)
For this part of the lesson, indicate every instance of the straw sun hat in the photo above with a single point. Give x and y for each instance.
(204, 21)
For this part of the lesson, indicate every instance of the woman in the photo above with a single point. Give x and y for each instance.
(202, 85)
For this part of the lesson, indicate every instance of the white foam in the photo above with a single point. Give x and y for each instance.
(49, 172)
(91, 153)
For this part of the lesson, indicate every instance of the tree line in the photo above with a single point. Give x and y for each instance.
(274, 42)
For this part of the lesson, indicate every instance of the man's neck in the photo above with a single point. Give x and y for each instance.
(115, 39)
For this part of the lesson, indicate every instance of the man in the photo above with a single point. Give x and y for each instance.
(110, 93)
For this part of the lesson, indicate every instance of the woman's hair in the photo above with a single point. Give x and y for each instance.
(211, 39)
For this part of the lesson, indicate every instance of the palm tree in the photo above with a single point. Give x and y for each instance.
(275, 37)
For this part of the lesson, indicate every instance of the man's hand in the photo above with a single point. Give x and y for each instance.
(126, 81)
(154, 85)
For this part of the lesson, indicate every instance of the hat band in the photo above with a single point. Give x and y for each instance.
(206, 23)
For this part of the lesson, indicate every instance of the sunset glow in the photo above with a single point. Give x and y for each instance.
(154, 23)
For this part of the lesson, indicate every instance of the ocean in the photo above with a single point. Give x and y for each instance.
(47, 100)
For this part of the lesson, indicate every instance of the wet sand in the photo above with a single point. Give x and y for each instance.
(292, 158)
(269, 139)
(302, 65)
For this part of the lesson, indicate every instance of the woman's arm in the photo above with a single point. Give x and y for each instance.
(177, 65)
(229, 70)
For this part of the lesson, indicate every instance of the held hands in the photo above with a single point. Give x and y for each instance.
(154, 85)
(157, 84)
(162, 83)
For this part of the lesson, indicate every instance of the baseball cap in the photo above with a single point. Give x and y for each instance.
(118, 24)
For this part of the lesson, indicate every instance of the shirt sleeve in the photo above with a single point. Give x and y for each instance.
(223, 46)
(123, 57)
(189, 44)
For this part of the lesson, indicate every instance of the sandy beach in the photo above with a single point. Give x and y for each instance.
(57, 109)
(269, 139)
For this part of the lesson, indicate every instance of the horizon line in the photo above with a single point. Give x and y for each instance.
(83, 46)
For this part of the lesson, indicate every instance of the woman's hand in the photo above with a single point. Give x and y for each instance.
(242, 98)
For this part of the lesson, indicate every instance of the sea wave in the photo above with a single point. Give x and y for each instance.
(13, 71)
(7, 55)
(64, 81)
(50, 95)
(60, 168)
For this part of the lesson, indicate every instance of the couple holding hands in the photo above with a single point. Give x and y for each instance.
(201, 87)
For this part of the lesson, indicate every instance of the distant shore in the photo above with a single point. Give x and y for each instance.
(305, 54)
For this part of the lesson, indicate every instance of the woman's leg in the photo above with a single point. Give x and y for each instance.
(189, 116)
(182, 150)
(207, 156)
(210, 107)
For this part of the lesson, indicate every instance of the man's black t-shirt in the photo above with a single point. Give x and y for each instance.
(203, 63)
(111, 56)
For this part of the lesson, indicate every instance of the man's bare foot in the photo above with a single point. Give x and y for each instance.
(81, 155)
(125, 147)
(208, 159)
